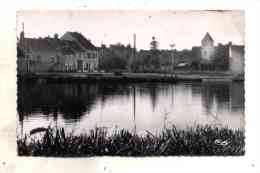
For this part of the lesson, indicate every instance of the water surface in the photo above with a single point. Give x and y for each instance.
(79, 107)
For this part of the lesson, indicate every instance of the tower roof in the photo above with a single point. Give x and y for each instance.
(207, 37)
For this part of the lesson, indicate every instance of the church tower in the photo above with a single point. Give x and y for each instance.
(207, 48)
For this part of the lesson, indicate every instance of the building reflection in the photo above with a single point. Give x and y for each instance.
(237, 96)
(152, 90)
(73, 100)
(70, 100)
(227, 95)
(218, 91)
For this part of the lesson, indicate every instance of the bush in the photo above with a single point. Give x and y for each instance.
(197, 141)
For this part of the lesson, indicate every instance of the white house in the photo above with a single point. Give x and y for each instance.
(236, 59)
(84, 61)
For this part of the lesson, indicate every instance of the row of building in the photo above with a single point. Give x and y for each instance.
(206, 57)
(72, 52)
(227, 57)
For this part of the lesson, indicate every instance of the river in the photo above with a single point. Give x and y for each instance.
(79, 107)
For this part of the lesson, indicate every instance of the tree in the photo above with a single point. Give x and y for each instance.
(128, 46)
(111, 61)
(154, 60)
(154, 44)
(56, 36)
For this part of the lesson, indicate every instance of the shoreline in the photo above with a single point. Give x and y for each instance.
(197, 141)
(131, 77)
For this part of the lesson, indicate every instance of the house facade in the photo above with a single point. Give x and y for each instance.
(65, 54)
(237, 58)
(86, 61)
(38, 55)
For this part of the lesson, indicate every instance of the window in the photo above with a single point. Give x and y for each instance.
(205, 53)
(66, 67)
(89, 55)
(38, 58)
(71, 67)
(52, 59)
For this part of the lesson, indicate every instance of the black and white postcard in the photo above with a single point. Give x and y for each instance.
(127, 83)
(148, 86)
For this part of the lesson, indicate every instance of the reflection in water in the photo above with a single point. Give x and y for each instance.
(150, 89)
(220, 92)
(143, 106)
(68, 99)
(237, 96)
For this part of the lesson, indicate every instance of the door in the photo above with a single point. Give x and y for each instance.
(80, 65)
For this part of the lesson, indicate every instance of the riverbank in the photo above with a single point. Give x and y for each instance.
(132, 77)
(197, 141)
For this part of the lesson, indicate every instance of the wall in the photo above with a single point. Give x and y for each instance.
(21, 64)
(36, 65)
(207, 53)
(44, 56)
(89, 59)
(237, 59)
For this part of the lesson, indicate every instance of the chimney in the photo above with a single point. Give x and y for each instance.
(132, 60)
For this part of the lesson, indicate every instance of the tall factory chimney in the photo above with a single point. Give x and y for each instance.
(134, 53)
(132, 60)
(134, 42)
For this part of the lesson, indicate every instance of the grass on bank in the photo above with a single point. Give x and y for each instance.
(200, 140)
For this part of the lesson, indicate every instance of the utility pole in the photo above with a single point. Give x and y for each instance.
(134, 53)
(26, 49)
(172, 47)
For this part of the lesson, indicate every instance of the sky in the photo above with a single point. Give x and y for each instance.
(183, 28)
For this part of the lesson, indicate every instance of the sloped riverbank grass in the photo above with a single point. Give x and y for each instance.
(195, 141)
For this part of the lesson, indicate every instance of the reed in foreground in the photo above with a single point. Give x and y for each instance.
(197, 141)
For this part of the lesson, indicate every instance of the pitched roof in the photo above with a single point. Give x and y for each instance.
(51, 45)
(39, 44)
(69, 47)
(207, 37)
(80, 39)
